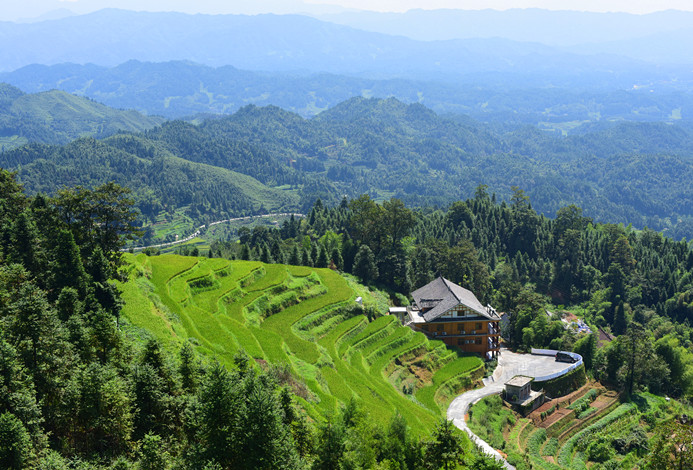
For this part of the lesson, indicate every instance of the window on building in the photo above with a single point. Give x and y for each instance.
(440, 327)
(478, 326)
(460, 342)
(478, 341)
(460, 327)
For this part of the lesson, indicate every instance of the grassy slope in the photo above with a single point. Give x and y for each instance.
(57, 117)
(225, 306)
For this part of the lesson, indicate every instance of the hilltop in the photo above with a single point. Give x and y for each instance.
(57, 117)
(636, 173)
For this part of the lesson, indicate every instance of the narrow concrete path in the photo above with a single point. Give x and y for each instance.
(510, 364)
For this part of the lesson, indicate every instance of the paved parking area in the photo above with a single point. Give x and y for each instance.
(510, 364)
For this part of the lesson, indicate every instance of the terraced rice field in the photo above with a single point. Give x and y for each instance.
(295, 316)
(569, 441)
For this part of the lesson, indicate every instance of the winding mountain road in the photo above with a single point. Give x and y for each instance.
(199, 229)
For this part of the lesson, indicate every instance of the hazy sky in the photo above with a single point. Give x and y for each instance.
(25, 9)
(631, 6)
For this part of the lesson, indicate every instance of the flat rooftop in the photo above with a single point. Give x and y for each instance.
(519, 381)
(395, 310)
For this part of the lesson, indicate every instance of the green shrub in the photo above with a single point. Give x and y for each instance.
(583, 402)
(582, 438)
(535, 441)
(600, 450)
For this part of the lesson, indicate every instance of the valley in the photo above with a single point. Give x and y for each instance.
(253, 236)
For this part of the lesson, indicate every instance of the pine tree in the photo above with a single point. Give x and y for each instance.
(15, 445)
(306, 259)
(265, 255)
(620, 320)
(25, 246)
(336, 258)
(364, 264)
(295, 258)
(277, 253)
(321, 261)
(188, 368)
(314, 253)
(68, 270)
(330, 446)
(445, 448)
(218, 403)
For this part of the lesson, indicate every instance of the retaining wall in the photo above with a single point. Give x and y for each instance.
(553, 352)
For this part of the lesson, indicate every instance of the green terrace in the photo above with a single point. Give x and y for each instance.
(304, 321)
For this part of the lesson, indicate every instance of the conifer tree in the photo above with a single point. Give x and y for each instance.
(306, 259)
(620, 320)
(188, 368)
(295, 258)
(68, 270)
(364, 264)
(445, 449)
(321, 261)
(336, 258)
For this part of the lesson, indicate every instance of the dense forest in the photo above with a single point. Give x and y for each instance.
(79, 390)
(634, 285)
(635, 173)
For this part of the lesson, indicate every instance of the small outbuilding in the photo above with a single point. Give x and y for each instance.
(518, 392)
(400, 312)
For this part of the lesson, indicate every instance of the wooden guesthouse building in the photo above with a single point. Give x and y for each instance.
(451, 313)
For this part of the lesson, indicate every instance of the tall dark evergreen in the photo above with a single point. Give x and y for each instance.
(364, 264)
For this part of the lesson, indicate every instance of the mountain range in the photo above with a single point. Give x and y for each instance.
(179, 89)
(283, 43)
(267, 158)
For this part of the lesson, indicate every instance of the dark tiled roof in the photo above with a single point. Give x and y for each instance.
(440, 295)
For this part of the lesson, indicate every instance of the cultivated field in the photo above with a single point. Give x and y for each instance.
(578, 431)
(303, 322)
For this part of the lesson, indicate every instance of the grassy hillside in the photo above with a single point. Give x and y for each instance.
(302, 319)
(56, 117)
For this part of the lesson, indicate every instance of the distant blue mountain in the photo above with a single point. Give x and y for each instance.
(278, 43)
(558, 100)
(555, 28)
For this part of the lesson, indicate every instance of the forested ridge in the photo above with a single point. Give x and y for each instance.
(635, 173)
(80, 389)
(80, 392)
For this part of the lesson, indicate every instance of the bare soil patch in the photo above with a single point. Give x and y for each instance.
(552, 418)
(424, 375)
